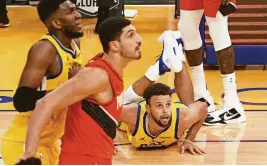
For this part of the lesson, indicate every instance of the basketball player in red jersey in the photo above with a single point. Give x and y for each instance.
(216, 14)
(94, 95)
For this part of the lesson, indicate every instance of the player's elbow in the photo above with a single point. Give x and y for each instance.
(43, 106)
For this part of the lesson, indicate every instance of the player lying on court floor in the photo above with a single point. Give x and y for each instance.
(158, 122)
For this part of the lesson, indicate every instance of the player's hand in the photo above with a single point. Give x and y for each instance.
(75, 68)
(28, 159)
(25, 156)
(225, 2)
(191, 148)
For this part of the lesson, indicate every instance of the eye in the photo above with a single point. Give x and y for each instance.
(169, 104)
(72, 11)
(131, 34)
(159, 106)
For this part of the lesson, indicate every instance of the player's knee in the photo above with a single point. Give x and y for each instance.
(189, 27)
(218, 30)
(203, 107)
(190, 35)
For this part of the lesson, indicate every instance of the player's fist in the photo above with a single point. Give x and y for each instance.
(27, 160)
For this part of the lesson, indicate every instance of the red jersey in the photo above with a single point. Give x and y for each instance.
(210, 7)
(83, 134)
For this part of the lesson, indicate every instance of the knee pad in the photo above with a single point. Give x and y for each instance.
(218, 30)
(189, 27)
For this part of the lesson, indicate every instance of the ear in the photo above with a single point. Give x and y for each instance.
(56, 24)
(147, 108)
(114, 46)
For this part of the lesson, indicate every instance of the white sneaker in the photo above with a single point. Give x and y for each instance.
(173, 49)
(226, 115)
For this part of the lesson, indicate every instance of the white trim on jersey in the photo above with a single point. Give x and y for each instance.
(109, 114)
(42, 87)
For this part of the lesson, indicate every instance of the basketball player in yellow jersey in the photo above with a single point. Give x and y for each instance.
(157, 122)
(48, 63)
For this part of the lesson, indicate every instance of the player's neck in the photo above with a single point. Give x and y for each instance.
(116, 61)
(153, 127)
(63, 39)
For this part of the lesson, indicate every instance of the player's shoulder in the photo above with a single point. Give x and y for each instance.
(42, 50)
(95, 74)
(97, 70)
(44, 47)
(133, 106)
(99, 65)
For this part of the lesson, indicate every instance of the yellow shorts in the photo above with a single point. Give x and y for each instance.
(12, 151)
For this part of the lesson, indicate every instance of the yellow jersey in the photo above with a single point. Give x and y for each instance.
(55, 128)
(140, 136)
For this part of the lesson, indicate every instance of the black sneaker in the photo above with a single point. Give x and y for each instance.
(226, 115)
(4, 21)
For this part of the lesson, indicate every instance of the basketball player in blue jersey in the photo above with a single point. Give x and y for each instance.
(51, 61)
(158, 122)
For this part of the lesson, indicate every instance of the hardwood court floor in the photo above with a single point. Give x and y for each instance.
(232, 144)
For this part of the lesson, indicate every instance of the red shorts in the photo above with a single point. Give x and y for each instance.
(75, 159)
(210, 7)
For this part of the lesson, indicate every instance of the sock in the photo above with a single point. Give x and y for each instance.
(152, 72)
(229, 84)
(130, 96)
(199, 82)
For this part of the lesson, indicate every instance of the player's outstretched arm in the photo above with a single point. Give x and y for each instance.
(183, 86)
(87, 82)
(135, 91)
(192, 118)
(129, 114)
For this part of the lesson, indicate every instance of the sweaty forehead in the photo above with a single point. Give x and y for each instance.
(66, 5)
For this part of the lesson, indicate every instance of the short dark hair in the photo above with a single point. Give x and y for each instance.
(156, 89)
(46, 7)
(110, 29)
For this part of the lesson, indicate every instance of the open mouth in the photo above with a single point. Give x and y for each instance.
(165, 118)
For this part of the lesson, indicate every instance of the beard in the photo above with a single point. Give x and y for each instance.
(72, 34)
(132, 54)
(138, 49)
(159, 122)
(127, 56)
